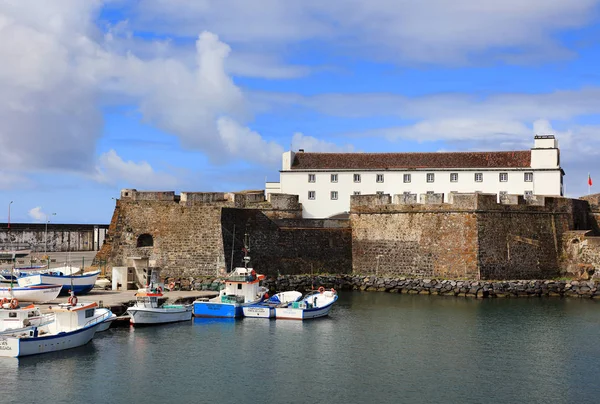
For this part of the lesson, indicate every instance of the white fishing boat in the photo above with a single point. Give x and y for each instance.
(35, 294)
(80, 284)
(74, 325)
(147, 310)
(108, 317)
(315, 304)
(266, 309)
(21, 319)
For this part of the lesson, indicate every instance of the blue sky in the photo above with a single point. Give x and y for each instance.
(205, 95)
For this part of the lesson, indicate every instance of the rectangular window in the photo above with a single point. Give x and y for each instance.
(333, 177)
(311, 194)
(356, 192)
(356, 177)
(379, 177)
(89, 313)
(478, 177)
(453, 177)
(406, 178)
(528, 177)
(311, 178)
(430, 177)
(503, 177)
(379, 192)
(334, 195)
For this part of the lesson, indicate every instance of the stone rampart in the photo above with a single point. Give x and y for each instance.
(473, 236)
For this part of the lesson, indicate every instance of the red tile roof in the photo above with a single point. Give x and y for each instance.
(382, 161)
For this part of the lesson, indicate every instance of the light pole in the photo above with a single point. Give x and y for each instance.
(9, 215)
(46, 235)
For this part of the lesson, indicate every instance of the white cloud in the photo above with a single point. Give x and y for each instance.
(425, 31)
(112, 169)
(312, 144)
(246, 144)
(37, 214)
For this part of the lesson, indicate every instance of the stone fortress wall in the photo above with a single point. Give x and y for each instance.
(471, 236)
(202, 234)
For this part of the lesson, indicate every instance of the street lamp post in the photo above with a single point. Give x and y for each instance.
(46, 235)
(9, 215)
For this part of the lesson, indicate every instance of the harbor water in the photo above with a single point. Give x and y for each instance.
(374, 347)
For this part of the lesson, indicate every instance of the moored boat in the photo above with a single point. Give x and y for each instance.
(266, 308)
(79, 284)
(242, 288)
(315, 304)
(74, 325)
(147, 310)
(35, 293)
(21, 319)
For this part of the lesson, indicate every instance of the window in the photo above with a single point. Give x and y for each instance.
(145, 240)
(311, 194)
(379, 192)
(503, 177)
(311, 178)
(478, 177)
(333, 177)
(528, 177)
(356, 177)
(406, 178)
(430, 177)
(453, 177)
(407, 193)
(356, 192)
(379, 177)
(334, 195)
(89, 313)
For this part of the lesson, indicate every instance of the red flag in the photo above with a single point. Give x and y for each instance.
(589, 180)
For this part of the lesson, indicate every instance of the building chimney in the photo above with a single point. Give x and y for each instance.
(300, 150)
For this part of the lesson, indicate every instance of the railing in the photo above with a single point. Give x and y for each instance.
(104, 316)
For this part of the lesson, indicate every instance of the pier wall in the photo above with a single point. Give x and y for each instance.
(57, 238)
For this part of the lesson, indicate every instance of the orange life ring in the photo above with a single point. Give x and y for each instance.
(73, 300)
(321, 289)
(172, 285)
(3, 301)
(14, 303)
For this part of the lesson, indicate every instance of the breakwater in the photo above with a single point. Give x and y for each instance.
(459, 288)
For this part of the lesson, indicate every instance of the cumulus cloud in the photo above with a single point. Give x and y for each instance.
(63, 70)
(113, 170)
(37, 214)
(426, 31)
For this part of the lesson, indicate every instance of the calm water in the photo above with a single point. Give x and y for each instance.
(374, 347)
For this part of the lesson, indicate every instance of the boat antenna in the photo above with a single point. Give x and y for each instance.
(246, 249)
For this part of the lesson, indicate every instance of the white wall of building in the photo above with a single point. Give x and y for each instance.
(545, 174)
(297, 183)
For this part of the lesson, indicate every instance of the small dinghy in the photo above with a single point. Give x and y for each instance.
(315, 304)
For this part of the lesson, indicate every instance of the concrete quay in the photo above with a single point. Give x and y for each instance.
(119, 300)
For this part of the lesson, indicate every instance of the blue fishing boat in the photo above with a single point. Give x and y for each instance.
(242, 288)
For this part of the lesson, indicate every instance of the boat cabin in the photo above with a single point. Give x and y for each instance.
(242, 285)
(147, 298)
(18, 318)
(71, 317)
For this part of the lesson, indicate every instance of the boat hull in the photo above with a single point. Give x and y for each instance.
(81, 284)
(11, 346)
(287, 313)
(34, 293)
(217, 309)
(258, 311)
(148, 315)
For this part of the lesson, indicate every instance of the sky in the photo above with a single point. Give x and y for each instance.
(205, 95)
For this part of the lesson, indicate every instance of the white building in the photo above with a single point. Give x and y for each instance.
(325, 181)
